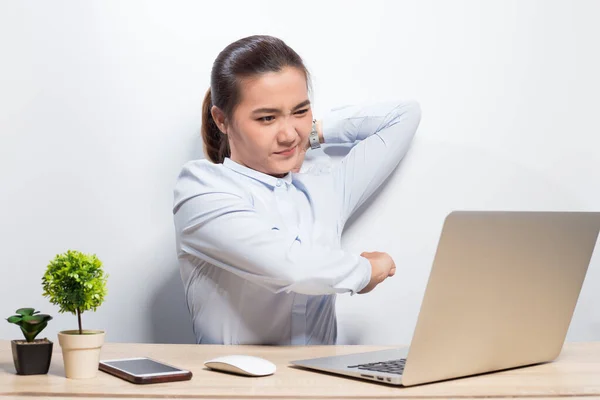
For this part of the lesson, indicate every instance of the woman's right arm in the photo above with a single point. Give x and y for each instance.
(224, 229)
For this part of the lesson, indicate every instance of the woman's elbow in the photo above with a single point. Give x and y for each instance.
(409, 110)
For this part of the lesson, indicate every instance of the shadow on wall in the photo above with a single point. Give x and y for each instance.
(171, 321)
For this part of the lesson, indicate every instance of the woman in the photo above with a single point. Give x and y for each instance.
(258, 242)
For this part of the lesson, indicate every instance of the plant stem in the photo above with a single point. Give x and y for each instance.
(28, 336)
(79, 320)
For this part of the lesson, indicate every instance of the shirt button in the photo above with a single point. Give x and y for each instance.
(279, 183)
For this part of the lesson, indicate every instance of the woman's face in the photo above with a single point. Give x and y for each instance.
(270, 126)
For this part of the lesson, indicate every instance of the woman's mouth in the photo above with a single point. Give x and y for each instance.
(288, 152)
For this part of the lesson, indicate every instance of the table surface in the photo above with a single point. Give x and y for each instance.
(575, 374)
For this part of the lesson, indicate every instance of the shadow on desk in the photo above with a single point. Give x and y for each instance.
(55, 369)
(8, 367)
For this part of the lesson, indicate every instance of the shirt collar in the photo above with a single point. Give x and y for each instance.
(254, 174)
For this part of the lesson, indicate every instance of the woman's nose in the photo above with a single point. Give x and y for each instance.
(287, 132)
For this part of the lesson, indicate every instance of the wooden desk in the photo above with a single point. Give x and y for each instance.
(576, 374)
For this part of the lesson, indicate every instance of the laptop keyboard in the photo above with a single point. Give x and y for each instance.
(390, 367)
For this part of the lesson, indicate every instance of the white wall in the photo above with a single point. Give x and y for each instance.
(100, 107)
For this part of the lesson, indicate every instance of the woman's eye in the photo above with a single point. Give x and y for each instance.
(302, 112)
(268, 118)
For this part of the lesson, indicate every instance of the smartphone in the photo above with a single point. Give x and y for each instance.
(144, 370)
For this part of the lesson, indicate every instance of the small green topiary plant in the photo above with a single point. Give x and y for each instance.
(30, 321)
(75, 282)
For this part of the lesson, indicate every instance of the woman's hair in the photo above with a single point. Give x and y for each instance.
(247, 57)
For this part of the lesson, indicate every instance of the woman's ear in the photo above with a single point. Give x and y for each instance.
(219, 118)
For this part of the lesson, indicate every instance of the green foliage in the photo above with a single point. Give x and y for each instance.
(30, 321)
(75, 282)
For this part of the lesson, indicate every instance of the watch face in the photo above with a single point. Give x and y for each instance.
(314, 141)
(314, 136)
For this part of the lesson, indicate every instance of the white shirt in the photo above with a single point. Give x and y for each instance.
(260, 256)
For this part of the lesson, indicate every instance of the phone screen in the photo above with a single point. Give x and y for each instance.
(141, 366)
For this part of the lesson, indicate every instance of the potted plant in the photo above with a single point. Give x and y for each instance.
(31, 356)
(76, 283)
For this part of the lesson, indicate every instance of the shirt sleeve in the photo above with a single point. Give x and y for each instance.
(224, 229)
(384, 132)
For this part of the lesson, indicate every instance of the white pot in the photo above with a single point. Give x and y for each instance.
(81, 353)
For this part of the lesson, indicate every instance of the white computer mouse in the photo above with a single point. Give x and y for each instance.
(243, 365)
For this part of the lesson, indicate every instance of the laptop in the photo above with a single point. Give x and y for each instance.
(501, 294)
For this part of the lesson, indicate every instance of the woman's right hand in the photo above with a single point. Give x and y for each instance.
(382, 267)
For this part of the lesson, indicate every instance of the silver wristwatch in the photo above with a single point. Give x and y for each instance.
(314, 136)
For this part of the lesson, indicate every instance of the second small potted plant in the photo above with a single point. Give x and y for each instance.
(76, 283)
(31, 356)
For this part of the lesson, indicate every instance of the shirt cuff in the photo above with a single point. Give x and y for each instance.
(359, 278)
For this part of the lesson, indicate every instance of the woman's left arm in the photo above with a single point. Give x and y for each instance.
(384, 132)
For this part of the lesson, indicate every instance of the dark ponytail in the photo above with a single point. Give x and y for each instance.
(216, 145)
(247, 57)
